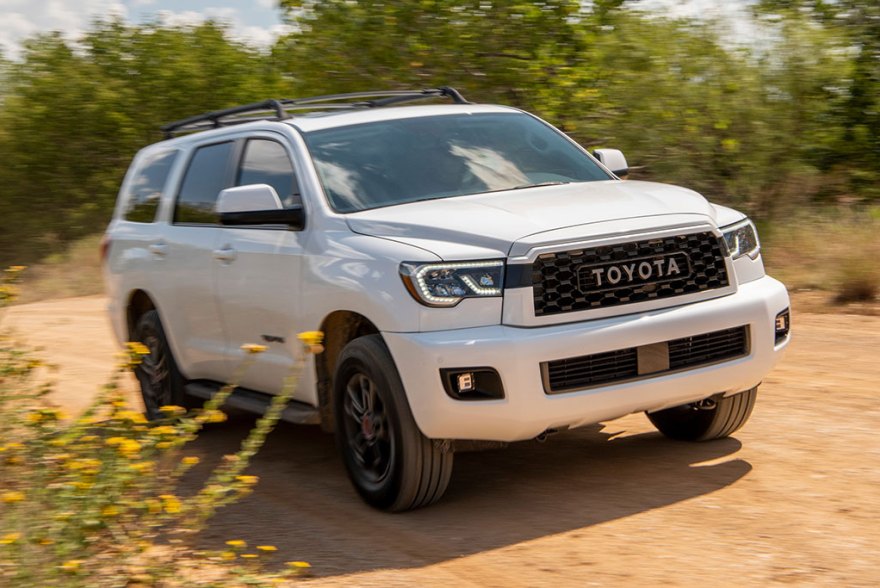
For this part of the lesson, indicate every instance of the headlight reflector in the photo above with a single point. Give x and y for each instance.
(447, 284)
(742, 239)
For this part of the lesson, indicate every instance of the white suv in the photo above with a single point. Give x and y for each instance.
(478, 275)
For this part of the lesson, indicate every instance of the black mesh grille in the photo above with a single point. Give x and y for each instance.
(610, 367)
(592, 370)
(573, 280)
(708, 348)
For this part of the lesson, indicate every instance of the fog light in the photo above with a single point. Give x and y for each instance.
(482, 383)
(783, 325)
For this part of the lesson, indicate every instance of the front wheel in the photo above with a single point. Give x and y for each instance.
(391, 464)
(712, 418)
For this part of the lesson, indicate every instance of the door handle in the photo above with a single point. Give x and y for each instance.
(159, 249)
(226, 254)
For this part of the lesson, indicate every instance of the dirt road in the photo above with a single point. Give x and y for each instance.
(793, 499)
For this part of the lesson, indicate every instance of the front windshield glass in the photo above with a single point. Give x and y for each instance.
(398, 161)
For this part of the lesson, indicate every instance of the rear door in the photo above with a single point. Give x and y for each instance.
(258, 279)
(183, 276)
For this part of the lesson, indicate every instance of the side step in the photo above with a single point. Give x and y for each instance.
(298, 413)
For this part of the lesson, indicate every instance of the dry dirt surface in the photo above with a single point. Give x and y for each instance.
(792, 499)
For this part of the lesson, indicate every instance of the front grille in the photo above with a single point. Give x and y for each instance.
(708, 348)
(591, 370)
(611, 367)
(569, 281)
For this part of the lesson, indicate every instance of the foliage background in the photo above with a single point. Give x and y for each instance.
(786, 121)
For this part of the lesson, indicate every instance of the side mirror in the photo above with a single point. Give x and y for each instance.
(257, 204)
(614, 160)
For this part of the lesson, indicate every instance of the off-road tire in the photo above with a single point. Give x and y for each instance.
(160, 379)
(392, 465)
(696, 422)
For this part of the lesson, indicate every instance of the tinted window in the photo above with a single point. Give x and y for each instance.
(205, 178)
(267, 162)
(145, 190)
(397, 161)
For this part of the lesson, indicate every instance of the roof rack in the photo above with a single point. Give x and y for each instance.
(281, 109)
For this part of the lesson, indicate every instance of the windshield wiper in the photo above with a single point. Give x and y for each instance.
(538, 185)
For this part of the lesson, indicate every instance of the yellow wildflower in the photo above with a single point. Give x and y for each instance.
(312, 341)
(163, 430)
(46, 541)
(10, 538)
(115, 441)
(171, 503)
(12, 496)
(132, 416)
(34, 417)
(14, 445)
(163, 445)
(71, 565)
(228, 555)
(253, 348)
(311, 337)
(214, 416)
(109, 511)
(14, 269)
(236, 543)
(137, 348)
(129, 447)
(119, 403)
(299, 564)
(267, 548)
(190, 460)
(249, 555)
(172, 409)
(248, 479)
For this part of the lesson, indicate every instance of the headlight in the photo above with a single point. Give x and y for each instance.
(742, 239)
(446, 284)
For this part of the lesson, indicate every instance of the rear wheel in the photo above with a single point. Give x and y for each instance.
(391, 464)
(712, 418)
(161, 382)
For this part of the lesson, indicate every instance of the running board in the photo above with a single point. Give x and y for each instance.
(298, 413)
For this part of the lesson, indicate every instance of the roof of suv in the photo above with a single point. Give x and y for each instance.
(323, 112)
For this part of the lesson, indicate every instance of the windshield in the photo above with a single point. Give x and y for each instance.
(398, 161)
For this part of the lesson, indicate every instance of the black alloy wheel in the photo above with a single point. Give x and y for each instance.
(391, 464)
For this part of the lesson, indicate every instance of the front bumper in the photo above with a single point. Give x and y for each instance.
(516, 353)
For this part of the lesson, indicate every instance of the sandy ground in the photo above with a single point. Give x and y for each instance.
(793, 498)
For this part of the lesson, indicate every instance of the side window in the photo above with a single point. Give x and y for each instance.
(145, 190)
(205, 178)
(267, 162)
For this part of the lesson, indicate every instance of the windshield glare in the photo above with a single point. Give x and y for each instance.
(398, 161)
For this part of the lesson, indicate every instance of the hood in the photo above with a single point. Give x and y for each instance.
(486, 225)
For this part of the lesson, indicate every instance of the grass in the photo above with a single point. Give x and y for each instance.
(838, 252)
(76, 272)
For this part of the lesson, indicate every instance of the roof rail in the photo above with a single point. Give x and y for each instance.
(281, 109)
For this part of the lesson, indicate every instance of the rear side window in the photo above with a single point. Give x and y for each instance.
(205, 177)
(267, 162)
(145, 189)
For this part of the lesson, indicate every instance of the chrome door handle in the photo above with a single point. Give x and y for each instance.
(158, 249)
(226, 254)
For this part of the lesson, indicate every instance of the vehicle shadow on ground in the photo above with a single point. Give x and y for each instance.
(306, 507)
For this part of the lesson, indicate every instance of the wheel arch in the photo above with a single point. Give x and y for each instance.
(139, 302)
(340, 327)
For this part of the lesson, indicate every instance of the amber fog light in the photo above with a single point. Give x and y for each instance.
(783, 325)
(480, 383)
